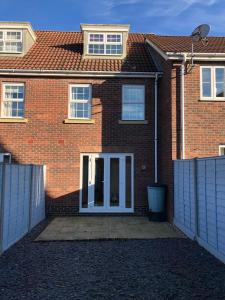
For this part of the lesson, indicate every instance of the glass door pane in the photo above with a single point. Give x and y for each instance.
(99, 182)
(128, 181)
(85, 182)
(114, 181)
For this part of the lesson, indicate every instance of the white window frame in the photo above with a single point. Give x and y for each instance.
(220, 149)
(213, 84)
(2, 155)
(4, 40)
(132, 85)
(105, 34)
(16, 100)
(80, 101)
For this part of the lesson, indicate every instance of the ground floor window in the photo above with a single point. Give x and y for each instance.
(221, 149)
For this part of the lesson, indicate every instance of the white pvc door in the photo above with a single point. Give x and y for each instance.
(106, 183)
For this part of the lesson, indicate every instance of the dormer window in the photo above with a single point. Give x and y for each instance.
(105, 44)
(105, 41)
(11, 41)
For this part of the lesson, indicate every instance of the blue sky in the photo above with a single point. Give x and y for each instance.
(158, 16)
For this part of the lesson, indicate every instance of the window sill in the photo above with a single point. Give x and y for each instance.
(13, 120)
(126, 122)
(79, 121)
(212, 100)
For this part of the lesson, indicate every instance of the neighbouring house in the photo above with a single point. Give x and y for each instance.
(107, 111)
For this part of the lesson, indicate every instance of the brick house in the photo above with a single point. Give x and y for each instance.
(106, 111)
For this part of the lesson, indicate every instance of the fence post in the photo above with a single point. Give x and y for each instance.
(195, 176)
(31, 196)
(2, 193)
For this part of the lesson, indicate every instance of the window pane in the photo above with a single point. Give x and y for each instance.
(114, 182)
(206, 75)
(128, 181)
(220, 89)
(116, 38)
(96, 48)
(219, 82)
(80, 93)
(13, 35)
(85, 182)
(219, 75)
(133, 112)
(14, 92)
(206, 89)
(206, 82)
(96, 38)
(13, 47)
(113, 49)
(1, 35)
(133, 94)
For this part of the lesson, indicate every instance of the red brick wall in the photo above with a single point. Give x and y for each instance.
(204, 120)
(45, 139)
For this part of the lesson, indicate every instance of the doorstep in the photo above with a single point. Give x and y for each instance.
(106, 227)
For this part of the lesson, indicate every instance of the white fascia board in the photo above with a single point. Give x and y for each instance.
(105, 27)
(196, 56)
(59, 73)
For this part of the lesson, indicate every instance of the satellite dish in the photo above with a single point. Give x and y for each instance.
(200, 32)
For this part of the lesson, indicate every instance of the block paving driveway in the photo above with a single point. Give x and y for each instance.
(174, 268)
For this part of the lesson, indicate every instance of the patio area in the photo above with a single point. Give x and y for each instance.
(106, 227)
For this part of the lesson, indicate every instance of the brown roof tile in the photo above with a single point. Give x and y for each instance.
(183, 44)
(55, 50)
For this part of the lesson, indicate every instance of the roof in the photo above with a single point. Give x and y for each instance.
(183, 44)
(57, 50)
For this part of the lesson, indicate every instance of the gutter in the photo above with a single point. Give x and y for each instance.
(196, 56)
(69, 73)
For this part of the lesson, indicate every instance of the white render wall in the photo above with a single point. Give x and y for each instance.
(22, 201)
(199, 201)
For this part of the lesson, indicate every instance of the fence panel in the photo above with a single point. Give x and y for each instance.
(184, 210)
(37, 196)
(22, 201)
(206, 220)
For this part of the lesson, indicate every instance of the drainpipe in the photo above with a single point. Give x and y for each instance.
(156, 128)
(182, 115)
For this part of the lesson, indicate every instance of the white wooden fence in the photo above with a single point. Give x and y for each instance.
(22, 201)
(199, 201)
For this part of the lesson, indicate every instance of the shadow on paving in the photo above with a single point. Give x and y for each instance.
(119, 269)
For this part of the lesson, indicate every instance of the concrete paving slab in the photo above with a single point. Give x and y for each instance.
(106, 227)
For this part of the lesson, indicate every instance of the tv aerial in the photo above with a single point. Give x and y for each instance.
(199, 35)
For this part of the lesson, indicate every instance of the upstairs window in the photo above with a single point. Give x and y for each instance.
(10, 41)
(212, 83)
(133, 102)
(80, 101)
(105, 44)
(13, 100)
